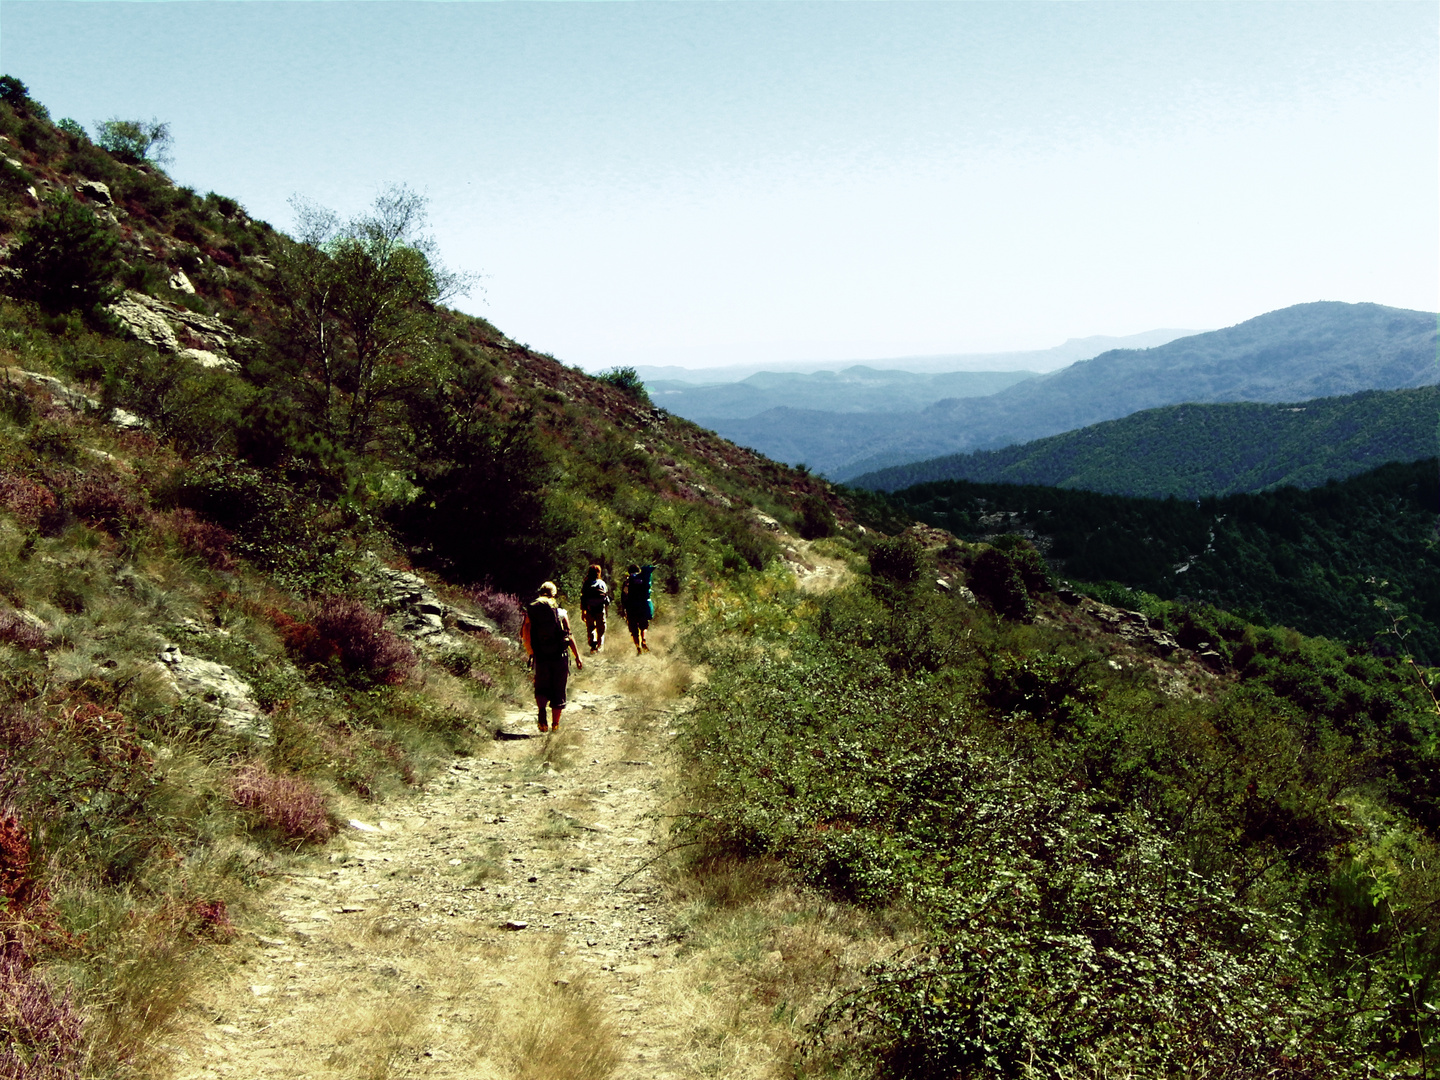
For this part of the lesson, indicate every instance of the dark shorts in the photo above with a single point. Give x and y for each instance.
(551, 674)
(640, 619)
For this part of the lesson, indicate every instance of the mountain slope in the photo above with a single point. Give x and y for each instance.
(1194, 450)
(1314, 560)
(1310, 350)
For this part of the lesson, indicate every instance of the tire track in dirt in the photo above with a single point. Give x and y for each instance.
(386, 954)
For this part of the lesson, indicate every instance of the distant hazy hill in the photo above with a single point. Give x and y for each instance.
(1196, 450)
(856, 389)
(1057, 356)
(1307, 351)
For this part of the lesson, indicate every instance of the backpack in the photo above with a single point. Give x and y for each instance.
(593, 596)
(637, 592)
(547, 636)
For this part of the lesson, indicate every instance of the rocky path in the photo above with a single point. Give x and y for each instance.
(506, 922)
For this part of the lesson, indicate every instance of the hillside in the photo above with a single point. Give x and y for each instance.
(267, 512)
(1337, 560)
(1302, 352)
(275, 802)
(1190, 451)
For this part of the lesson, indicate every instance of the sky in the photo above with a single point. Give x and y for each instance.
(736, 182)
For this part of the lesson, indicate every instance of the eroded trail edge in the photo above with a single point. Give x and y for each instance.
(388, 954)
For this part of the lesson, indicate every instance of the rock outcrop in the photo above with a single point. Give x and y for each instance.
(218, 688)
(75, 399)
(155, 323)
(422, 616)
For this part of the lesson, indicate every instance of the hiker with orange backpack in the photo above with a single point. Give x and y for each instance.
(546, 636)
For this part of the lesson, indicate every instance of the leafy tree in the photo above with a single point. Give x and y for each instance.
(17, 95)
(71, 128)
(67, 259)
(135, 141)
(361, 319)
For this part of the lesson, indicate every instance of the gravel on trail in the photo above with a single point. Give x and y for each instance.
(426, 940)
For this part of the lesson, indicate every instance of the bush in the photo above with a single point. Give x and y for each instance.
(104, 501)
(817, 520)
(40, 1032)
(203, 539)
(31, 502)
(504, 608)
(290, 805)
(18, 631)
(67, 259)
(627, 380)
(1008, 575)
(346, 632)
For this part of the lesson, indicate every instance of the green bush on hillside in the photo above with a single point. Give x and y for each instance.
(1083, 852)
(67, 259)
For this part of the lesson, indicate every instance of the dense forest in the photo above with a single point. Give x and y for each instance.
(1191, 451)
(1343, 560)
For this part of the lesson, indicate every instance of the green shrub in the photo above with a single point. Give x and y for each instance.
(67, 258)
(627, 380)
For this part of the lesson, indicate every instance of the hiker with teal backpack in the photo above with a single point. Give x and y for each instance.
(547, 638)
(636, 603)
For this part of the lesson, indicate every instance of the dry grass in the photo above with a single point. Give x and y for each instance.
(762, 958)
(422, 998)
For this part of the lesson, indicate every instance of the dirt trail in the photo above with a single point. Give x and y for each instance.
(388, 954)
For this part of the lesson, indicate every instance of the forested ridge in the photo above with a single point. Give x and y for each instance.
(1341, 560)
(1191, 451)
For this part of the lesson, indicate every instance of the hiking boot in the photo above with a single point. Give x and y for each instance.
(543, 725)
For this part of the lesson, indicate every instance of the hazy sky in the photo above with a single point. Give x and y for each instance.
(721, 182)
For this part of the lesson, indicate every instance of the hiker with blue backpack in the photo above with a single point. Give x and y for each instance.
(547, 638)
(635, 601)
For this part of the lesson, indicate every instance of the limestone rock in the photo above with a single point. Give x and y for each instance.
(144, 323)
(95, 190)
(218, 687)
(180, 283)
(208, 359)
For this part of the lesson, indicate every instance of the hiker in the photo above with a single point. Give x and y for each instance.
(638, 607)
(594, 599)
(546, 636)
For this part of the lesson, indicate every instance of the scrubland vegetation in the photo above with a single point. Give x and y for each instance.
(1083, 875)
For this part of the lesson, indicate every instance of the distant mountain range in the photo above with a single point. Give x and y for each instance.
(1057, 356)
(856, 389)
(1325, 349)
(1192, 451)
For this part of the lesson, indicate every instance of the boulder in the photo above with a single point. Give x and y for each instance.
(180, 283)
(218, 688)
(206, 358)
(96, 191)
(144, 323)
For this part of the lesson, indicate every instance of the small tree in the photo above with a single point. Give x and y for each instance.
(361, 297)
(134, 141)
(67, 259)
